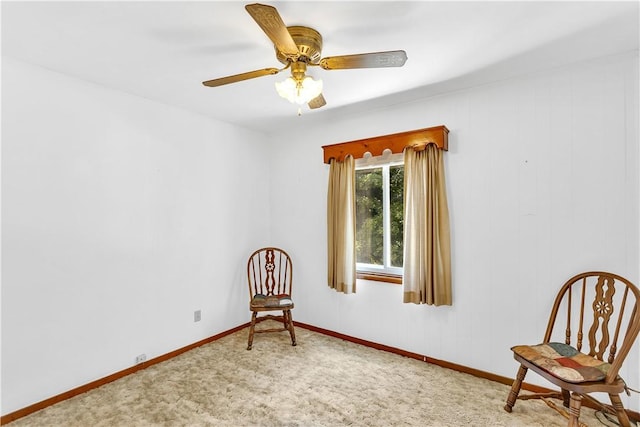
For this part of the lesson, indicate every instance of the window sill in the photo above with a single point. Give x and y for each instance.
(379, 277)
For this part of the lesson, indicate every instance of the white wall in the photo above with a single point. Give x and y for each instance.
(542, 176)
(120, 217)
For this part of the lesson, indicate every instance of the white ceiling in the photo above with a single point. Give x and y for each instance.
(162, 50)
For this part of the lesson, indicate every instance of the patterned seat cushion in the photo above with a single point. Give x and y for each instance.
(563, 361)
(276, 301)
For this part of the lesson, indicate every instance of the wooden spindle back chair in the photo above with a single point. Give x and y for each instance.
(270, 278)
(593, 325)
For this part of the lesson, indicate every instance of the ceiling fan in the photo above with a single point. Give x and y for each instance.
(300, 47)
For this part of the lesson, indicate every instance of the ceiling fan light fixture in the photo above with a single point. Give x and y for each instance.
(298, 47)
(299, 91)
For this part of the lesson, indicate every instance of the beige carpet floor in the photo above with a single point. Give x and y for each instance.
(323, 381)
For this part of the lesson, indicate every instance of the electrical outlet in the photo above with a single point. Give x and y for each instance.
(197, 315)
(141, 358)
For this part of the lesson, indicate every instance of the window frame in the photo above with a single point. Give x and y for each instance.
(385, 273)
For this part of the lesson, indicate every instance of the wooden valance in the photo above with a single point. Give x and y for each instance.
(396, 142)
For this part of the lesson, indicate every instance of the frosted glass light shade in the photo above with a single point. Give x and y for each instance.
(299, 92)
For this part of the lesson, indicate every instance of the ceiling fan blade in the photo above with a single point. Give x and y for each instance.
(240, 77)
(271, 23)
(317, 102)
(392, 58)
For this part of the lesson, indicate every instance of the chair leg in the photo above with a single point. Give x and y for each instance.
(515, 388)
(619, 408)
(252, 329)
(566, 397)
(289, 326)
(574, 409)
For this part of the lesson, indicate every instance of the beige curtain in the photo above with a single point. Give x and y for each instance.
(341, 220)
(427, 253)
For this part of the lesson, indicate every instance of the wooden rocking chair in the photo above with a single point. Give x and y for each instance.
(269, 273)
(608, 305)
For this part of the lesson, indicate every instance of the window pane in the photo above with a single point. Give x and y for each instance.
(396, 207)
(369, 216)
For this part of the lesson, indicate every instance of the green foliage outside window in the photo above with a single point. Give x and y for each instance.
(396, 210)
(369, 238)
(370, 215)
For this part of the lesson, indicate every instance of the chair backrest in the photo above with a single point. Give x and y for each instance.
(269, 272)
(604, 306)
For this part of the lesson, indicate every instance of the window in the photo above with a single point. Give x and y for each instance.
(379, 221)
(379, 216)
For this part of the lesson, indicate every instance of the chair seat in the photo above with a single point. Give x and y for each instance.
(564, 362)
(279, 302)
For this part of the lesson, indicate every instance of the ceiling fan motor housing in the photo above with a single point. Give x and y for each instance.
(309, 43)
